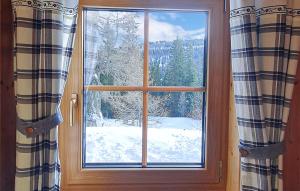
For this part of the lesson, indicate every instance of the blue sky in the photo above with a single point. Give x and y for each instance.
(187, 20)
(168, 25)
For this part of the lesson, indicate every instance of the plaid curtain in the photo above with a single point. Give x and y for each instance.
(43, 41)
(265, 40)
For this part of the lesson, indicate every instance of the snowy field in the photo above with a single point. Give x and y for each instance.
(170, 139)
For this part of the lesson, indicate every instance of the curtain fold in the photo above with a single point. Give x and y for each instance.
(265, 42)
(43, 41)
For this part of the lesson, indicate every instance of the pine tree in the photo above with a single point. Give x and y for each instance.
(181, 71)
(173, 76)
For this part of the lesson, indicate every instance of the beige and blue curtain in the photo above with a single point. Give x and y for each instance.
(43, 42)
(265, 42)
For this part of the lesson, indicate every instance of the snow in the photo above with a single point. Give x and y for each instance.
(170, 139)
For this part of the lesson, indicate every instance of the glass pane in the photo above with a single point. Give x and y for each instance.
(177, 48)
(113, 132)
(113, 47)
(175, 127)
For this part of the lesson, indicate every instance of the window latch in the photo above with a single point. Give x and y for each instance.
(73, 104)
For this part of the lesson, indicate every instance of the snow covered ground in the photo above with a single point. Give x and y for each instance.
(170, 139)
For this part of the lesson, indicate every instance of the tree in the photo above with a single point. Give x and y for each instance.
(173, 76)
(119, 62)
(181, 71)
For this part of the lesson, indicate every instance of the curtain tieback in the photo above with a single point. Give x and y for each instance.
(33, 129)
(269, 151)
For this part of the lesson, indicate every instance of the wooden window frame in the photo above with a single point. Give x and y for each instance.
(212, 177)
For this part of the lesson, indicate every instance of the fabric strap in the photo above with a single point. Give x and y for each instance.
(269, 151)
(40, 126)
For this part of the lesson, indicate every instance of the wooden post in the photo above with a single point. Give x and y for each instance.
(7, 113)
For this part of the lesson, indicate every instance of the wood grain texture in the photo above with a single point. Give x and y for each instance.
(8, 113)
(233, 164)
(292, 155)
(145, 93)
(233, 172)
(152, 187)
(154, 4)
(144, 88)
(74, 177)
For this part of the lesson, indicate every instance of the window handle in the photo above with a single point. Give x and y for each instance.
(225, 6)
(73, 104)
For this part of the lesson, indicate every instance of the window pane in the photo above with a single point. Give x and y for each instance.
(113, 132)
(113, 47)
(177, 48)
(113, 56)
(175, 129)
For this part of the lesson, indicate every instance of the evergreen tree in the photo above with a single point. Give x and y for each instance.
(190, 77)
(173, 76)
(181, 71)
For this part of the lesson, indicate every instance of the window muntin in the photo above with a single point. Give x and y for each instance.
(117, 79)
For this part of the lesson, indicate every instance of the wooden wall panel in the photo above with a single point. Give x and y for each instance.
(233, 163)
(233, 173)
(7, 111)
(292, 155)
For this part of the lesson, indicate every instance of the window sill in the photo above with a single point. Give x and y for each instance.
(148, 187)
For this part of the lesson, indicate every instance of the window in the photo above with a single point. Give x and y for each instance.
(144, 94)
(152, 87)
